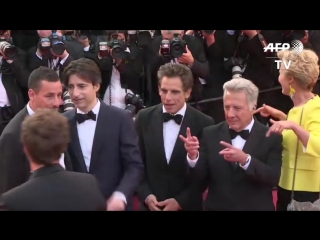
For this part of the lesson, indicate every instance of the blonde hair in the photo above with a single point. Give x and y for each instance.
(304, 67)
(243, 85)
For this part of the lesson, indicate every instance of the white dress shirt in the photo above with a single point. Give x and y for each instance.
(117, 92)
(237, 142)
(86, 131)
(171, 133)
(61, 160)
(4, 100)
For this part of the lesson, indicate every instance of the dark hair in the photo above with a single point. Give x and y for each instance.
(41, 74)
(46, 135)
(84, 68)
(171, 70)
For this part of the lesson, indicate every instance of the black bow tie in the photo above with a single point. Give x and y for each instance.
(84, 117)
(177, 118)
(244, 134)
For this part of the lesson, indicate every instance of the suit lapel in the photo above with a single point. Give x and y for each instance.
(67, 161)
(224, 135)
(75, 143)
(254, 138)
(100, 134)
(187, 119)
(156, 135)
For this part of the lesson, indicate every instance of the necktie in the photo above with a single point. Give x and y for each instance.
(177, 118)
(244, 134)
(84, 117)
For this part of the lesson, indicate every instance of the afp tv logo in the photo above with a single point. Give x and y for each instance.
(295, 46)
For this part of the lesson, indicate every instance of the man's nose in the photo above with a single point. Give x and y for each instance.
(230, 113)
(58, 101)
(168, 97)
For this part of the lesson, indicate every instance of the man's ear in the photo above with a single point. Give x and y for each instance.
(96, 87)
(254, 107)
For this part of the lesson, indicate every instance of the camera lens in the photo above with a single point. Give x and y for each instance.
(58, 47)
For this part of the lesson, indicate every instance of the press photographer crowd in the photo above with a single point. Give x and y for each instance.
(159, 120)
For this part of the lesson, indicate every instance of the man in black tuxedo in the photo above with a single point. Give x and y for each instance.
(238, 162)
(194, 58)
(45, 91)
(103, 139)
(166, 184)
(45, 136)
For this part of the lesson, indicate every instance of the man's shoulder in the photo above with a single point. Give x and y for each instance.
(149, 113)
(215, 128)
(69, 114)
(200, 116)
(113, 110)
(14, 125)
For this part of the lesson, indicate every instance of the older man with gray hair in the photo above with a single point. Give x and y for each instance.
(238, 162)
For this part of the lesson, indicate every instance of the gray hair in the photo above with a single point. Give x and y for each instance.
(244, 85)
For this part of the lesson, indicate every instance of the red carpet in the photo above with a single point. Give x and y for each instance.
(136, 200)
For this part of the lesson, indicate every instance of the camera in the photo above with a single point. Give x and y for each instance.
(175, 48)
(118, 48)
(9, 50)
(103, 49)
(234, 65)
(134, 103)
(57, 44)
(67, 102)
(44, 46)
(131, 109)
(133, 37)
(140, 38)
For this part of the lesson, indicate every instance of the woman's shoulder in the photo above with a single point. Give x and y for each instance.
(312, 107)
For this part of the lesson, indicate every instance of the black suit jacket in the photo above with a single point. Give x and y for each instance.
(15, 81)
(14, 165)
(34, 62)
(52, 188)
(231, 187)
(115, 158)
(160, 178)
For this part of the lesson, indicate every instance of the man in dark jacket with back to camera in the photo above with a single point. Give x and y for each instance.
(45, 136)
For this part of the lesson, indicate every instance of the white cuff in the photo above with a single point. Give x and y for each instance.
(121, 196)
(192, 163)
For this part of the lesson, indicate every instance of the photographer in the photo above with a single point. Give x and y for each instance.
(73, 45)
(51, 52)
(214, 47)
(175, 46)
(251, 62)
(121, 67)
(13, 79)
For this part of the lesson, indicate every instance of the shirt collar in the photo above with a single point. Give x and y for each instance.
(95, 110)
(30, 111)
(249, 127)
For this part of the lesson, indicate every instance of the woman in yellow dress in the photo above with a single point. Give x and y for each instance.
(301, 126)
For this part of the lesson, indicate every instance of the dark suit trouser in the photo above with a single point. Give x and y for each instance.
(284, 198)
